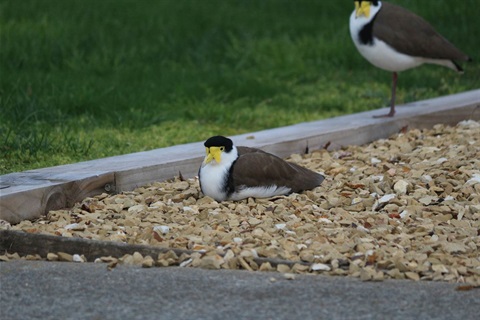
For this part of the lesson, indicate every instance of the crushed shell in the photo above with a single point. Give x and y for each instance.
(406, 207)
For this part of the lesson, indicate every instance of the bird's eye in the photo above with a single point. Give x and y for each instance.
(222, 148)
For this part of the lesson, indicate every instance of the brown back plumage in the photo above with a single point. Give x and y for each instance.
(255, 165)
(412, 35)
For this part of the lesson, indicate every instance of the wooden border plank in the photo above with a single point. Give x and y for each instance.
(29, 194)
(32, 200)
(23, 243)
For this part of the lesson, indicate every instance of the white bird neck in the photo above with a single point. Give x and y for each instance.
(229, 157)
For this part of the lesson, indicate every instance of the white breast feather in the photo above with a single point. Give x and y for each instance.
(382, 56)
(212, 179)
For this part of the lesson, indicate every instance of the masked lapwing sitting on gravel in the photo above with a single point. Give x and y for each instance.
(234, 173)
(395, 39)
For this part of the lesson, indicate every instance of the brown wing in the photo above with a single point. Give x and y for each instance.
(412, 35)
(255, 168)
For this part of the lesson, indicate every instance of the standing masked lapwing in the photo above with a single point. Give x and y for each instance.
(235, 173)
(395, 39)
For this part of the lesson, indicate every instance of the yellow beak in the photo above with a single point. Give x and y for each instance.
(213, 153)
(362, 8)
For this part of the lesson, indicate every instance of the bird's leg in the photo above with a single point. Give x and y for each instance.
(392, 102)
(394, 93)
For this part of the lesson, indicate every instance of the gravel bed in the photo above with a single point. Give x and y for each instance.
(406, 207)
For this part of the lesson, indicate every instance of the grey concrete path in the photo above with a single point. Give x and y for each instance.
(60, 290)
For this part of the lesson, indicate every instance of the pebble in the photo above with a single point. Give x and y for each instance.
(400, 187)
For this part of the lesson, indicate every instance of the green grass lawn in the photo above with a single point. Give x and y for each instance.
(85, 79)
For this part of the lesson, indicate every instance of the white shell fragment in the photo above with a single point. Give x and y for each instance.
(441, 160)
(475, 179)
(386, 198)
(404, 214)
(320, 267)
(409, 210)
(77, 258)
(71, 226)
(162, 229)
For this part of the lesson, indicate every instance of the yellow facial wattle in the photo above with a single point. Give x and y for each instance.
(362, 8)
(213, 153)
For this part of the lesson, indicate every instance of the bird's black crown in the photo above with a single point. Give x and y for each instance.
(219, 141)
(374, 2)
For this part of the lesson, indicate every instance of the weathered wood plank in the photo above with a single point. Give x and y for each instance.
(34, 243)
(29, 194)
(42, 195)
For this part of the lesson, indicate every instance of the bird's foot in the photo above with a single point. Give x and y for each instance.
(388, 115)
